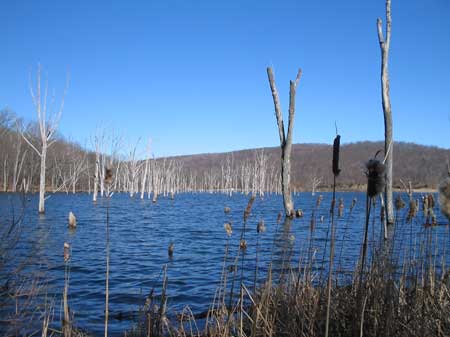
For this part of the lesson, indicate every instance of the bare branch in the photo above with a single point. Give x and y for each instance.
(276, 102)
(388, 23)
(380, 32)
(26, 139)
(292, 92)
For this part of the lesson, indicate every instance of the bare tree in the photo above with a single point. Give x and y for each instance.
(18, 161)
(98, 143)
(47, 128)
(285, 140)
(145, 173)
(386, 100)
(315, 181)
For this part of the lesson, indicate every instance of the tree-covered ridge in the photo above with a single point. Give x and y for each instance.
(71, 167)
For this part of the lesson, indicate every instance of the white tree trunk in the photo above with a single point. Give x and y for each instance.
(42, 179)
(96, 175)
(285, 141)
(387, 111)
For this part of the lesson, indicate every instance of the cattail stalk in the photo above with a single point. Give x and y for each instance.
(336, 171)
(242, 246)
(67, 329)
(260, 228)
(108, 181)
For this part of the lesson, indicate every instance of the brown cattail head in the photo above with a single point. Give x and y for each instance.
(170, 249)
(444, 197)
(108, 176)
(412, 210)
(72, 220)
(341, 207)
(312, 224)
(279, 217)
(353, 204)
(431, 202)
(299, 213)
(336, 146)
(248, 209)
(375, 177)
(399, 203)
(424, 205)
(243, 245)
(66, 252)
(228, 229)
(261, 227)
(319, 200)
(382, 213)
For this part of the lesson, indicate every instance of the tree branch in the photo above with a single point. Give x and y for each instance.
(276, 102)
(29, 143)
(292, 91)
(388, 23)
(380, 32)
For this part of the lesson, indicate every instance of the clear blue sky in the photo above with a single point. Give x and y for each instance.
(192, 74)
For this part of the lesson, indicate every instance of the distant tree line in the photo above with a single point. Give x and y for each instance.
(72, 168)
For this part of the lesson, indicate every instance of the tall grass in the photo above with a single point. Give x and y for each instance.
(390, 296)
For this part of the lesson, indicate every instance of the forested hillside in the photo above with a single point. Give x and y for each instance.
(71, 168)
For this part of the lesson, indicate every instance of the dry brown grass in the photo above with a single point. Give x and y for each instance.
(411, 298)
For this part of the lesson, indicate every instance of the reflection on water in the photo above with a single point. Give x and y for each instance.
(142, 231)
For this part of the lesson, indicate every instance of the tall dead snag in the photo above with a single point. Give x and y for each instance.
(47, 129)
(285, 140)
(386, 100)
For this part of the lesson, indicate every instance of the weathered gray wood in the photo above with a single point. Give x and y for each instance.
(285, 140)
(386, 101)
(47, 129)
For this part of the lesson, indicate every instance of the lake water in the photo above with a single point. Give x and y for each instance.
(141, 231)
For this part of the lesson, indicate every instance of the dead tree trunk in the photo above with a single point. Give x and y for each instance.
(96, 170)
(386, 100)
(144, 176)
(47, 129)
(285, 140)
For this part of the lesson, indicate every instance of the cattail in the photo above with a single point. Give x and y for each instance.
(444, 197)
(399, 203)
(261, 227)
(353, 204)
(319, 200)
(375, 177)
(279, 217)
(312, 224)
(72, 220)
(336, 145)
(227, 210)
(431, 202)
(341, 207)
(66, 252)
(299, 213)
(108, 176)
(248, 209)
(243, 245)
(382, 213)
(171, 249)
(424, 205)
(412, 210)
(433, 220)
(228, 229)
(291, 239)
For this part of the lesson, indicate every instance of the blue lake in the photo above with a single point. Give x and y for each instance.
(140, 233)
